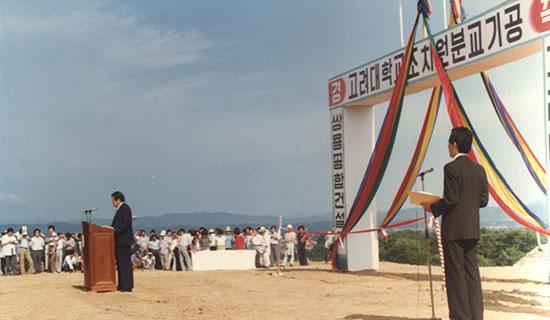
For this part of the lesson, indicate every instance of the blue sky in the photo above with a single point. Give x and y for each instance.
(209, 105)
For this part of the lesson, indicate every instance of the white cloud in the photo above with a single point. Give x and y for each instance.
(90, 51)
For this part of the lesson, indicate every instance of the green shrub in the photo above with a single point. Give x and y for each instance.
(497, 247)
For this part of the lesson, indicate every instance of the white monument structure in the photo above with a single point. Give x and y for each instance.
(509, 32)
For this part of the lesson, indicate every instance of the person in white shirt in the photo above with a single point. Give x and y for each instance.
(258, 241)
(184, 244)
(149, 261)
(267, 243)
(59, 252)
(70, 242)
(173, 246)
(37, 250)
(8, 242)
(165, 243)
(275, 246)
(212, 239)
(142, 240)
(52, 251)
(24, 252)
(71, 262)
(290, 242)
(228, 238)
(219, 239)
(154, 248)
(249, 233)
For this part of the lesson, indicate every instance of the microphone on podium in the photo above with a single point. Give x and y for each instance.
(425, 172)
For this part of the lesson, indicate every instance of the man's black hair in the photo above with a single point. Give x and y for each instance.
(51, 226)
(463, 138)
(117, 195)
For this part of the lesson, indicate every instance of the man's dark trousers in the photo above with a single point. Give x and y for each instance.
(464, 293)
(124, 268)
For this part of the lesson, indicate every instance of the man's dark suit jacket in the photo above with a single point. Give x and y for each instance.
(122, 223)
(465, 191)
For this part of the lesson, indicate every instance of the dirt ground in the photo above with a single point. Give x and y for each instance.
(394, 292)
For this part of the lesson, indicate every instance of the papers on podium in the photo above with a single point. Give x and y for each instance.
(420, 198)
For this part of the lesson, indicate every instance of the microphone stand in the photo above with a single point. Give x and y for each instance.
(427, 237)
(88, 215)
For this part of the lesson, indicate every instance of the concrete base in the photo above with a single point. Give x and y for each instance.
(224, 260)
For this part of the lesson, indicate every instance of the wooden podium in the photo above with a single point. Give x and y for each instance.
(99, 258)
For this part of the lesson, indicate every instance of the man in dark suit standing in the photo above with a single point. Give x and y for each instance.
(124, 238)
(465, 191)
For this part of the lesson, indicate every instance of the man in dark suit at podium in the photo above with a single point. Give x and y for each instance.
(465, 191)
(124, 239)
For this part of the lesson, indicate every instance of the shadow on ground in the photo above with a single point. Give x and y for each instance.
(375, 317)
(406, 276)
(81, 288)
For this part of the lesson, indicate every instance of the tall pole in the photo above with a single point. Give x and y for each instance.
(401, 22)
(444, 4)
(427, 236)
(546, 106)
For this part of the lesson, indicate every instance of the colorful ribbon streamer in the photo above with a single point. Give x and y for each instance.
(498, 187)
(384, 143)
(418, 157)
(458, 14)
(531, 162)
(381, 154)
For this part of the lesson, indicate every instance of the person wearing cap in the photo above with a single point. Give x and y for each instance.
(37, 244)
(165, 243)
(267, 243)
(25, 252)
(228, 238)
(290, 242)
(9, 242)
(258, 241)
(124, 239)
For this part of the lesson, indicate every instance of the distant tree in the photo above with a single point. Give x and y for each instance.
(497, 247)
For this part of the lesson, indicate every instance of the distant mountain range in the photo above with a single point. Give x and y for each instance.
(193, 221)
(491, 217)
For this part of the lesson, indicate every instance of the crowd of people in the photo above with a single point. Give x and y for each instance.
(21, 253)
(173, 250)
